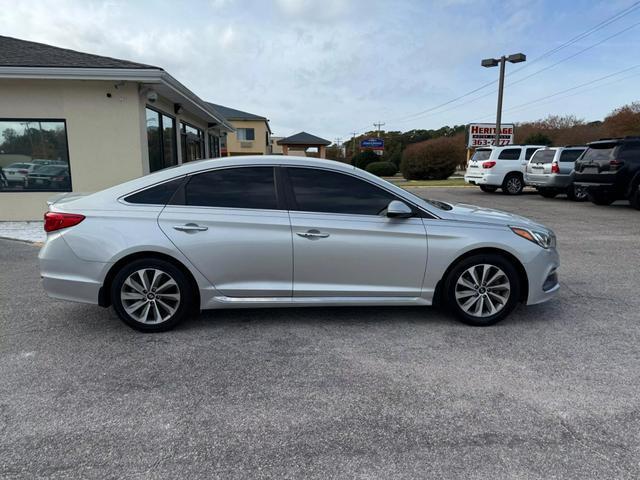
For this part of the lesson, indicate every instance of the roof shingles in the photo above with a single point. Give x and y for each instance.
(303, 138)
(22, 53)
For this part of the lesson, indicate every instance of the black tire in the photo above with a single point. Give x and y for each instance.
(547, 193)
(182, 287)
(452, 288)
(513, 184)
(576, 194)
(488, 188)
(634, 198)
(601, 198)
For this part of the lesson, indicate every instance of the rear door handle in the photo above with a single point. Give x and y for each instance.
(312, 234)
(190, 227)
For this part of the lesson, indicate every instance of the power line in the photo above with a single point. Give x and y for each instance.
(571, 41)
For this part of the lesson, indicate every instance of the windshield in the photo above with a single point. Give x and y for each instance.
(599, 153)
(481, 154)
(543, 156)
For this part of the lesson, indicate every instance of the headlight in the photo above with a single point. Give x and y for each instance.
(544, 238)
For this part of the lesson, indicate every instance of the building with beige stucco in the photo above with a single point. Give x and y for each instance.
(252, 135)
(77, 122)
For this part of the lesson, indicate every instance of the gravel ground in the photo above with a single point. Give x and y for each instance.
(551, 392)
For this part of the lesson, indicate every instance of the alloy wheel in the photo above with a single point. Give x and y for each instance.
(514, 185)
(482, 290)
(150, 296)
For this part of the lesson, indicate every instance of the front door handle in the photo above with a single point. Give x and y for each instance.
(312, 234)
(190, 227)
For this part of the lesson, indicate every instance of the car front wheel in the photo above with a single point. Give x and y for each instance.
(151, 295)
(483, 289)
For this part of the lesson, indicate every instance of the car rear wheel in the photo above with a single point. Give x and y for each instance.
(483, 289)
(547, 193)
(151, 295)
(488, 188)
(601, 198)
(577, 194)
(513, 184)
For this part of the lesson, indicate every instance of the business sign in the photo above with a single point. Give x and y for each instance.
(484, 134)
(372, 143)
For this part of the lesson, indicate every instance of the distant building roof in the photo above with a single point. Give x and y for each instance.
(303, 138)
(22, 53)
(233, 114)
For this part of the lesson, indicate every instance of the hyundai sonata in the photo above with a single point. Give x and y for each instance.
(275, 231)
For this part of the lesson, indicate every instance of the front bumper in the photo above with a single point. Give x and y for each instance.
(542, 273)
(481, 178)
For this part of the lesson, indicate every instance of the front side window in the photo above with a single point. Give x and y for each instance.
(246, 134)
(34, 156)
(161, 140)
(245, 187)
(192, 140)
(509, 154)
(332, 192)
(570, 155)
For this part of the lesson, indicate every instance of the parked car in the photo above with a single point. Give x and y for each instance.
(46, 162)
(273, 231)
(610, 170)
(16, 172)
(550, 171)
(51, 177)
(500, 167)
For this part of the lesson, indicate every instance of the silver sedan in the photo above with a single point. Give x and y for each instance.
(277, 231)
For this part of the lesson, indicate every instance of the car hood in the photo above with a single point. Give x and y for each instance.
(473, 213)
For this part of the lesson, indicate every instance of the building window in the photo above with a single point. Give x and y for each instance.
(246, 134)
(34, 155)
(161, 139)
(192, 140)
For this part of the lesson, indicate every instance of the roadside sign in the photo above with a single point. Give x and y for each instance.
(484, 134)
(372, 143)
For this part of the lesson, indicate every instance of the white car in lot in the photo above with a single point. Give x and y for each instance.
(17, 172)
(284, 231)
(500, 167)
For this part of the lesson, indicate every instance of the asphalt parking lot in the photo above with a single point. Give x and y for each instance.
(551, 392)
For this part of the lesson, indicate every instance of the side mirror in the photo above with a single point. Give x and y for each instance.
(398, 209)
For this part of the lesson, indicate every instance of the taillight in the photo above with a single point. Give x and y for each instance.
(55, 221)
(615, 164)
(555, 168)
(488, 164)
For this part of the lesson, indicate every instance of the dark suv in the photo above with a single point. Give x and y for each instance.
(609, 170)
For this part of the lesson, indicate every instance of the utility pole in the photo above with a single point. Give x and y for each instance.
(378, 125)
(353, 143)
(494, 62)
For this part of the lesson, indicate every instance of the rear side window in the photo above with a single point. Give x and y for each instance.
(570, 155)
(481, 154)
(543, 156)
(332, 192)
(158, 195)
(529, 152)
(510, 154)
(631, 150)
(245, 187)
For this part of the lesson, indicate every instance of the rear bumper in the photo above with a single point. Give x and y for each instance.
(67, 277)
(542, 273)
(480, 178)
(547, 181)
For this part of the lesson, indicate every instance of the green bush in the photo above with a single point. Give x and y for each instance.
(538, 138)
(364, 158)
(382, 169)
(435, 159)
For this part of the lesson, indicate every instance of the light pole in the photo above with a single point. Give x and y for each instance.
(494, 62)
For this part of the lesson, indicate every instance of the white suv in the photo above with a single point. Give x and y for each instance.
(500, 167)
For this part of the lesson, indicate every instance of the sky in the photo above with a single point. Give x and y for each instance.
(333, 67)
